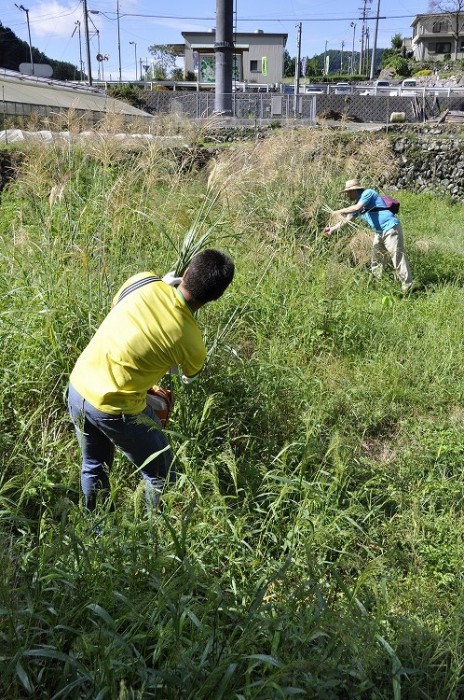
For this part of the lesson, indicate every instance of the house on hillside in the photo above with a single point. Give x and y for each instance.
(258, 56)
(434, 36)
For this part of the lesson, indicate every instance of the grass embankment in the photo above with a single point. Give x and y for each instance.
(313, 544)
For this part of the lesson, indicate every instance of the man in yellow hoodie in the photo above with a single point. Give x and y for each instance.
(150, 328)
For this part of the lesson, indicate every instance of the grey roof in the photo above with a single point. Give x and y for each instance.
(30, 90)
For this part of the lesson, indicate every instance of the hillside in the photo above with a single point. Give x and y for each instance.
(14, 51)
(335, 60)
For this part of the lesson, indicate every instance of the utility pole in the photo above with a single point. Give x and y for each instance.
(353, 24)
(325, 71)
(87, 41)
(341, 58)
(296, 95)
(119, 39)
(223, 50)
(364, 33)
(21, 7)
(374, 48)
(367, 49)
(78, 28)
(135, 52)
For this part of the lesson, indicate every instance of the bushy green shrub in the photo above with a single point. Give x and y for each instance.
(422, 73)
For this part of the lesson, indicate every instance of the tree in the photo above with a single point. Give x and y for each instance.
(313, 67)
(454, 9)
(289, 65)
(14, 51)
(165, 60)
(397, 42)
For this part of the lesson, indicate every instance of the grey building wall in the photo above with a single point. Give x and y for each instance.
(433, 34)
(250, 46)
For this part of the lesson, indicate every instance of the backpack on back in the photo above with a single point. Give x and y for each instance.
(390, 203)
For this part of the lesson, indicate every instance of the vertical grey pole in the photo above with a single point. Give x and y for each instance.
(135, 52)
(87, 42)
(374, 48)
(24, 9)
(223, 48)
(297, 69)
(81, 72)
(30, 40)
(353, 24)
(119, 40)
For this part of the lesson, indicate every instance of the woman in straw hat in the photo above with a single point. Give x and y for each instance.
(388, 238)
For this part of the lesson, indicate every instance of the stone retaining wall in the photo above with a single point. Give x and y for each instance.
(429, 159)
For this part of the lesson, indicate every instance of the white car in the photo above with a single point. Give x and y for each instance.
(343, 88)
(409, 83)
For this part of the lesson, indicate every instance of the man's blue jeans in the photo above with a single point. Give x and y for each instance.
(139, 437)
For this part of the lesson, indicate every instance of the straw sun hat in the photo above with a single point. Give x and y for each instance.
(353, 185)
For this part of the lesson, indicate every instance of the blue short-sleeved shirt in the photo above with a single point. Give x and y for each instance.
(380, 221)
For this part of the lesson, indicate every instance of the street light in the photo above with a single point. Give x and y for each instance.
(353, 25)
(21, 7)
(135, 52)
(81, 66)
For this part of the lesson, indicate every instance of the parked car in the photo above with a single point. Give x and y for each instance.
(313, 89)
(409, 83)
(381, 83)
(343, 88)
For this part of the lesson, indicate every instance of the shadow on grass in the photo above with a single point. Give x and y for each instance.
(437, 267)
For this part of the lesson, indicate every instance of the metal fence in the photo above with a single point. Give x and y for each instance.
(259, 106)
(21, 114)
(24, 111)
(262, 106)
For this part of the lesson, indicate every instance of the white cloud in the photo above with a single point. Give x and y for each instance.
(55, 19)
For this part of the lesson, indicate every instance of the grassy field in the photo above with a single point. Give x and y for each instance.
(313, 545)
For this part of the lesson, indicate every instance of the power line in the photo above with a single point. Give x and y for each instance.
(255, 19)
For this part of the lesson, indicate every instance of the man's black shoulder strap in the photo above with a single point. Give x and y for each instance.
(136, 285)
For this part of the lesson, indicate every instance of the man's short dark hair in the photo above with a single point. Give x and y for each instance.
(209, 274)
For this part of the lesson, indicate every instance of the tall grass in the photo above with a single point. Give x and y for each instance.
(313, 543)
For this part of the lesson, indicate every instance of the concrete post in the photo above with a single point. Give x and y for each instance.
(223, 47)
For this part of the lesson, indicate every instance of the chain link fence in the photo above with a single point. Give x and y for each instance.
(262, 106)
(257, 106)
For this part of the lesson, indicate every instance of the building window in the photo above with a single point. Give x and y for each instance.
(443, 47)
(436, 27)
(255, 66)
(461, 48)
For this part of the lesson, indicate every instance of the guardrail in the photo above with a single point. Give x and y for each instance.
(391, 90)
(304, 89)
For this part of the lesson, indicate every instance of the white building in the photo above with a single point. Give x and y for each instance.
(434, 36)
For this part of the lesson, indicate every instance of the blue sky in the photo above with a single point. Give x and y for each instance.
(147, 22)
